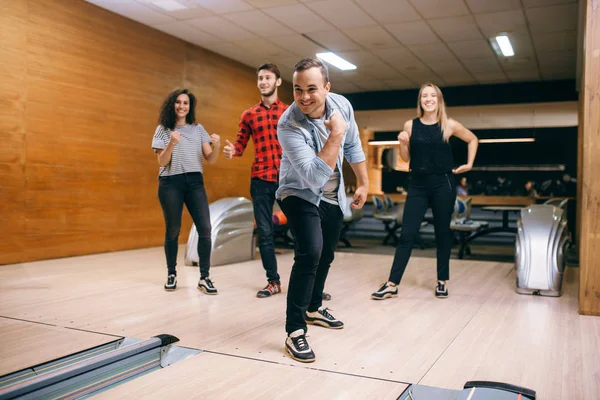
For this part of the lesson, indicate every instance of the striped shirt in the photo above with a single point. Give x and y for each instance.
(187, 154)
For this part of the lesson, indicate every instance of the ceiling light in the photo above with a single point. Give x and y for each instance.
(513, 140)
(505, 46)
(336, 61)
(169, 5)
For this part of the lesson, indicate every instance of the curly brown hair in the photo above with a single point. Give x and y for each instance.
(167, 116)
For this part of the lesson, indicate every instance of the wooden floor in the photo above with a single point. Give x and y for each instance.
(484, 331)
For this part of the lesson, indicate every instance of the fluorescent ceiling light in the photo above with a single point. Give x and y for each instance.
(505, 46)
(384, 143)
(169, 5)
(336, 61)
(513, 140)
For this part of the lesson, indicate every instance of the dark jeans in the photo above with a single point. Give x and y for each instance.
(173, 192)
(439, 192)
(263, 197)
(316, 232)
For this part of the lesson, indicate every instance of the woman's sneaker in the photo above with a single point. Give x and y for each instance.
(298, 348)
(441, 291)
(323, 318)
(207, 286)
(171, 283)
(386, 291)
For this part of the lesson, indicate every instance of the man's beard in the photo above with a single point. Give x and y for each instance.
(269, 94)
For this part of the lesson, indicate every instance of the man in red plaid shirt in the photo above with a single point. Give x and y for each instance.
(260, 122)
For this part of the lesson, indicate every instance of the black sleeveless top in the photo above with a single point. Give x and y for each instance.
(429, 154)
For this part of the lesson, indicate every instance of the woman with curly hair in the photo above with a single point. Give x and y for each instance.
(180, 144)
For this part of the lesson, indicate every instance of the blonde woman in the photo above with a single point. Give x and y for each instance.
(425, 143)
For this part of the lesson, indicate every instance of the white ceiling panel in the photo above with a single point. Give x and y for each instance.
(298, 45)
(472, 49)
(220, 27)
(135, 11)
(400, 58)
(551, 73)
(552, 19)
(544, 3)
(193, 10)
(394, 43)
(518, 64)
(523, 75)
(413, 33)
(456, 29)
(506, 21)
(560, 59)
(224, 6)
(342, 13)
(259, 23)
(485, 65)
(440, 8)
(344, 87)
(300, 18)
(522, 45)
(372, 84)
(372, 37)
(399, 83)
(270, 3)
(432, 52)
(264, 48)
(389, 12)
(552, 41)
(334, 40)
(188, 33)
(487, 6)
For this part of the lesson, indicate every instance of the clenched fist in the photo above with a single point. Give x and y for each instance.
(336, 124)
(215, 140)
(404, 138)
(175, 137)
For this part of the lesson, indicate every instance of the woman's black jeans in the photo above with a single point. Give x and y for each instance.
(425, 190)
(173, 192)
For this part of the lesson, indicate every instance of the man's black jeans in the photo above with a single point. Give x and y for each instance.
(316, 233)
(263, 197)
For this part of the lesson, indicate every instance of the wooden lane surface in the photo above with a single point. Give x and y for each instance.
(24, 344)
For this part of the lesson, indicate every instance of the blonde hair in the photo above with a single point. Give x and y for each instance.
(442, 117)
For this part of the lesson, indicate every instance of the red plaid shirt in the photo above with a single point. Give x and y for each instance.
(260, 122)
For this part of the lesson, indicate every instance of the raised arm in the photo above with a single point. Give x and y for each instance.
(404, 139)
(313, 168)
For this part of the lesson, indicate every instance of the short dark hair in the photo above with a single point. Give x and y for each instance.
(307, 63)
(167, 116)
(270, 67)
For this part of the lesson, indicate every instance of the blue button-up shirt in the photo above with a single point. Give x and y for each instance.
(302, 173)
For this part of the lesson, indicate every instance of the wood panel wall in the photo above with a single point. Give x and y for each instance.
(589, 243)
(80, 93)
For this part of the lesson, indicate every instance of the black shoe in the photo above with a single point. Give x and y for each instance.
(385, 292)
(326, 296)
(441, 291)
(298, 348)
(171, 282)
(323, 318)
(206, 285)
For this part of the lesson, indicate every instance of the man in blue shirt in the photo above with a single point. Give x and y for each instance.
(316, 132)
